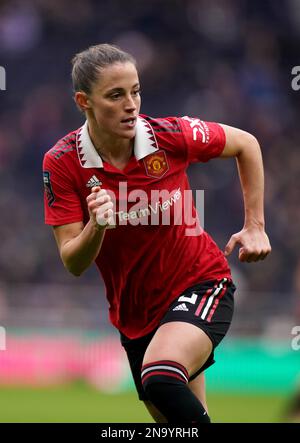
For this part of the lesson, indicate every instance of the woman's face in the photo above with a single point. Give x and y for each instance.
(115, 100)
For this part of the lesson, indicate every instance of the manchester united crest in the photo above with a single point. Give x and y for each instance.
(156, 164)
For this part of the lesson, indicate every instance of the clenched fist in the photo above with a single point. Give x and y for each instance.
(255, 244)
(100, 207)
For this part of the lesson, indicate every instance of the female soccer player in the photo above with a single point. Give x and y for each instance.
(117, 194)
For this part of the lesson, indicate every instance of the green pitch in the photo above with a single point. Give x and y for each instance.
(80, 403)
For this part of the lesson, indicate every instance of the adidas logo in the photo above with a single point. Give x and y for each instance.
(93, 181)
(181, 307)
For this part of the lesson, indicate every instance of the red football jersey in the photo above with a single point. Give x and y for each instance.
(156, 249)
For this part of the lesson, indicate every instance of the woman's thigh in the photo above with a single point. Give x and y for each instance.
(181, 342)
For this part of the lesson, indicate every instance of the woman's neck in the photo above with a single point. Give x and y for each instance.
(114, 150)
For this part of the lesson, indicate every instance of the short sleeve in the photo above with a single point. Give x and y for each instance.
(62, 203)
(204, 140)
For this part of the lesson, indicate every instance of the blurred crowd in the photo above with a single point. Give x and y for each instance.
(228, 61)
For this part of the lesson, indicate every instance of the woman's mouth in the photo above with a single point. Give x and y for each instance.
(130, 122)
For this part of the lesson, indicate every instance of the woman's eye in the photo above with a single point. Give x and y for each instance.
(137, 92)
(115, 96)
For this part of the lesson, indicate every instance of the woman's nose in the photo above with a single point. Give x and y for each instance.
(130, 103)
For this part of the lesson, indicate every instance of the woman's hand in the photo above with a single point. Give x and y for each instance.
(255, 244)
(100, 208)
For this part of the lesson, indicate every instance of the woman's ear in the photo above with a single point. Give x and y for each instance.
(82, 101)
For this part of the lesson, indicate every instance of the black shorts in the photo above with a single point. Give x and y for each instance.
(208, 305)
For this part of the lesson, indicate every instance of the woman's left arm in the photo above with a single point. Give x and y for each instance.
(253, 239)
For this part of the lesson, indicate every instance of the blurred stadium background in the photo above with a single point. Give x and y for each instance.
(228, 61)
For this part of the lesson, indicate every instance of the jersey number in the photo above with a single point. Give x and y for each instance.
(192, 299)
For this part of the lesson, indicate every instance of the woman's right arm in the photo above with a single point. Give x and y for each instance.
(80, 245)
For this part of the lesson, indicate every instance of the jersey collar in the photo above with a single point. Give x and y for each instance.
(144, 144)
